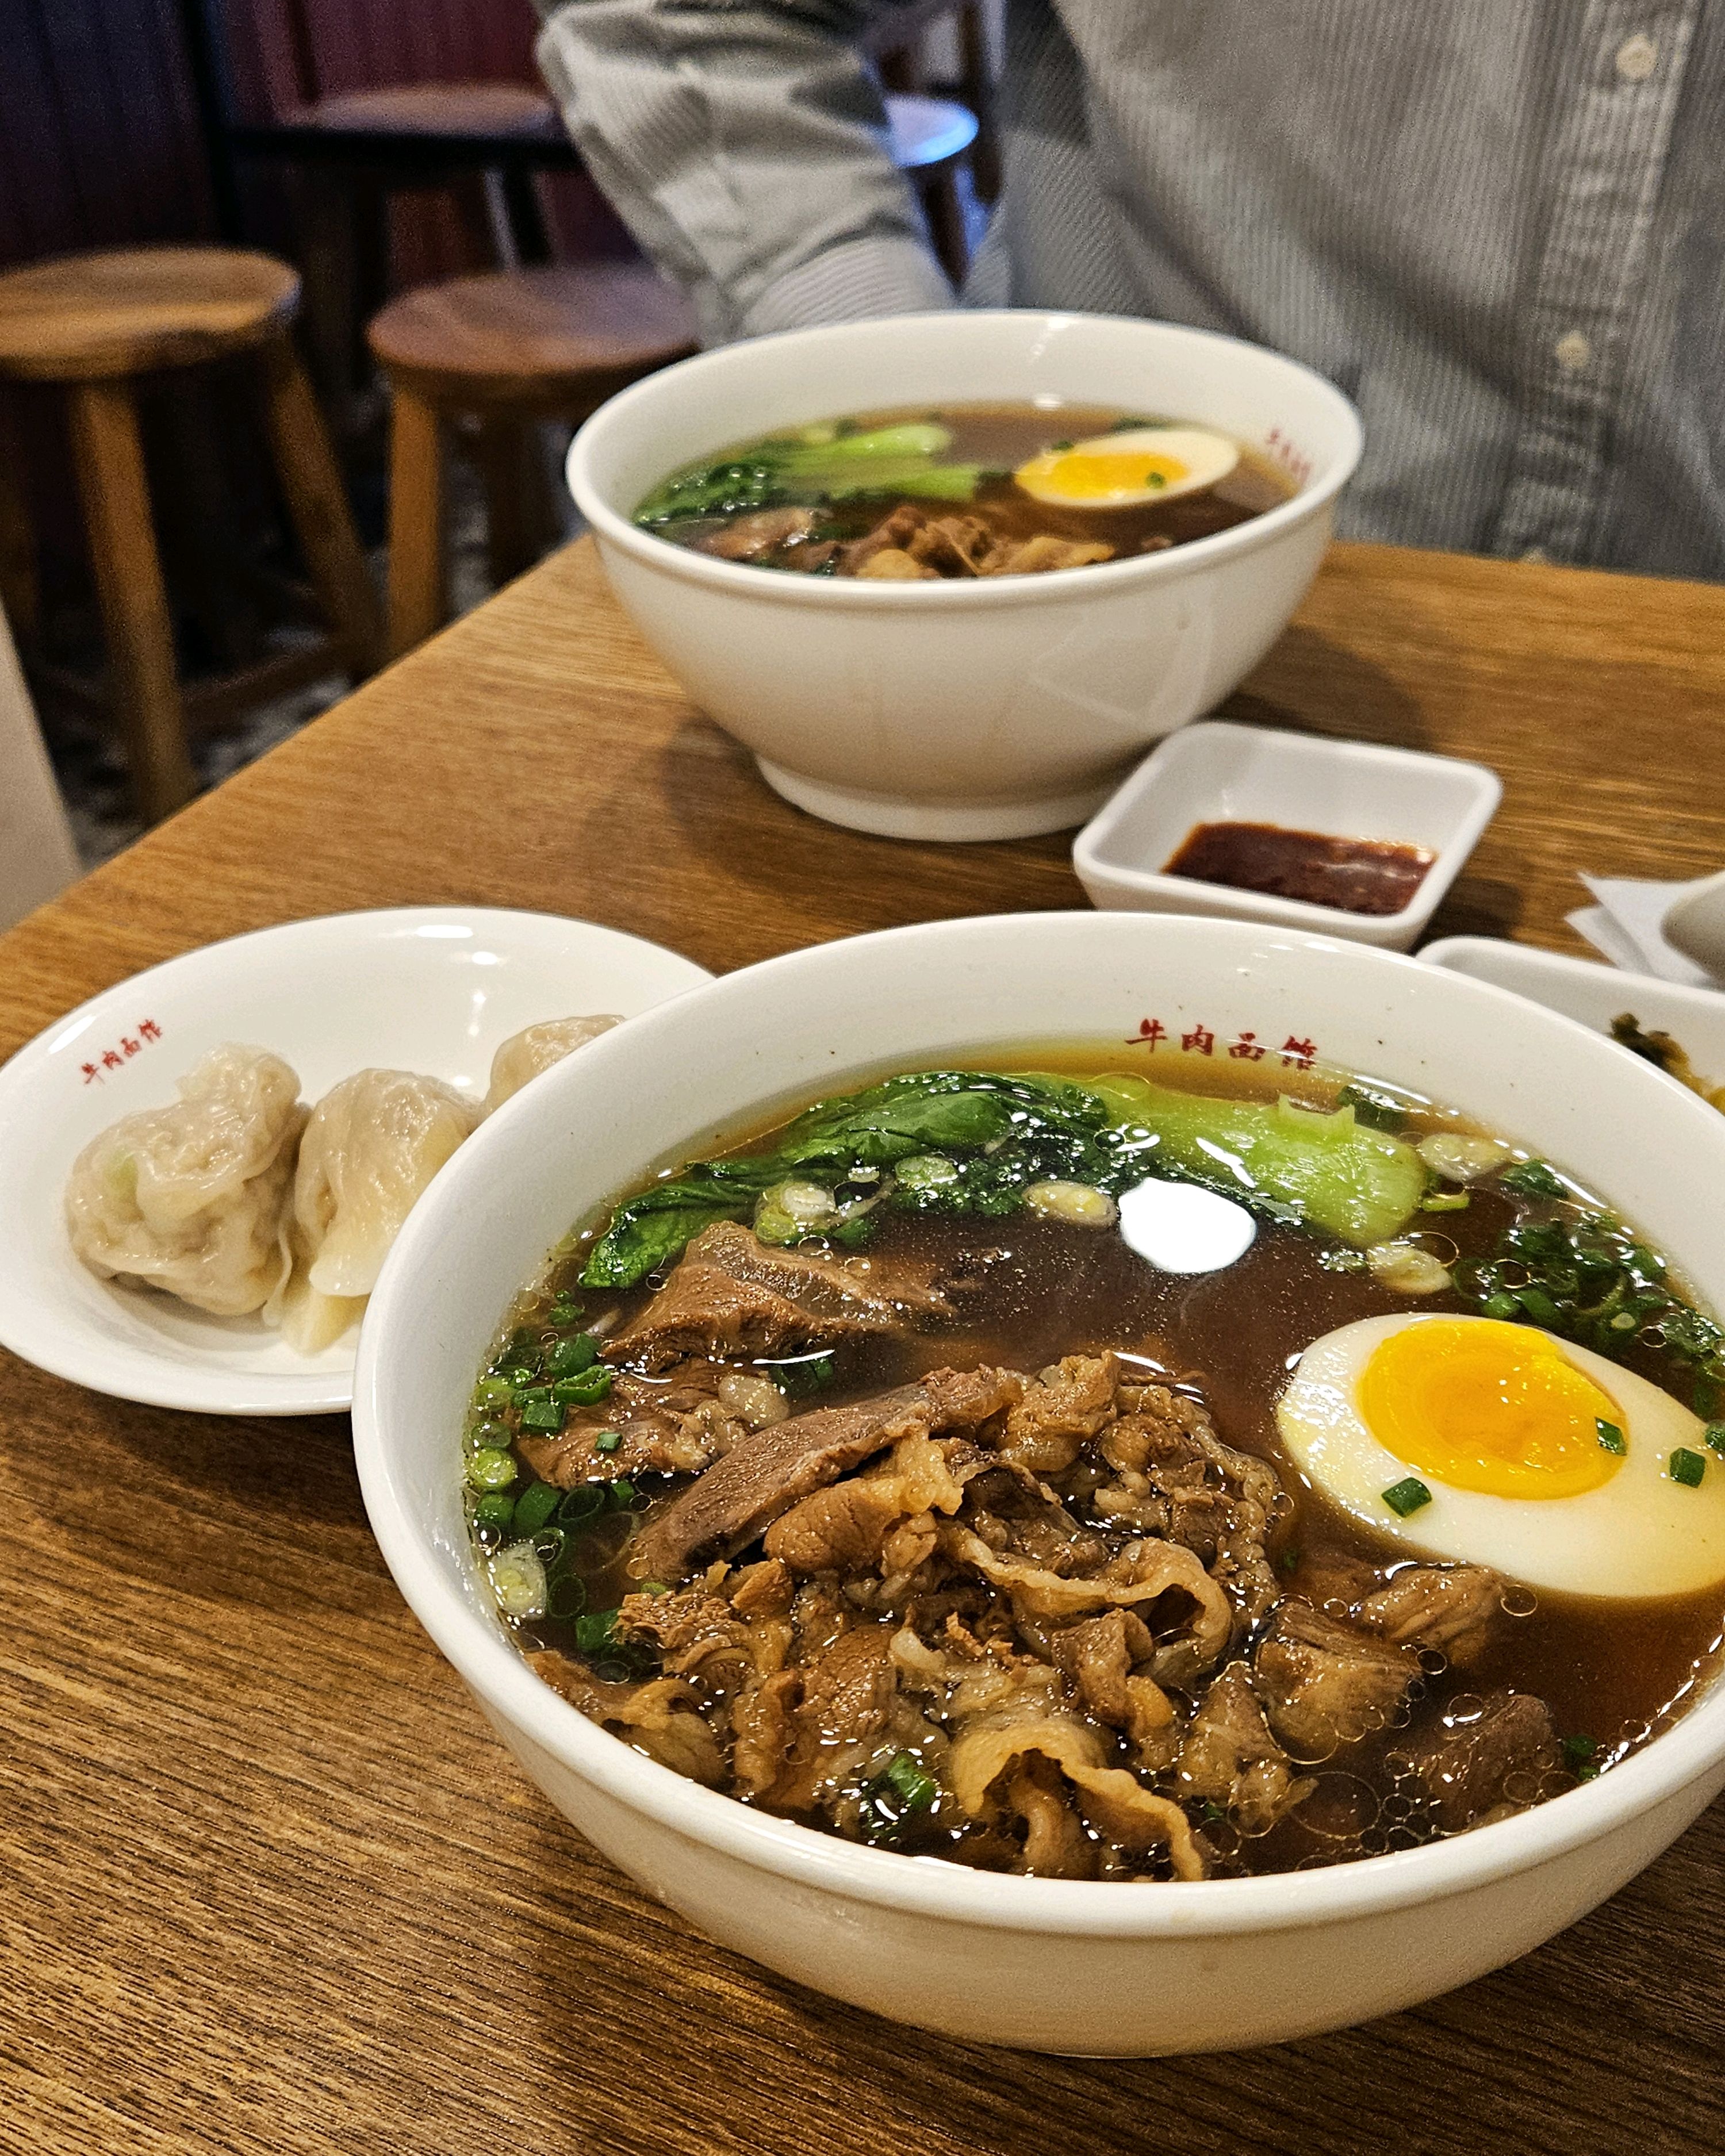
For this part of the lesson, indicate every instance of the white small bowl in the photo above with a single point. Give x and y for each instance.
(422, 988)
(1695, 925)
(1053, 1965)
(1222, 773)
(986, 708)
(1594, 994)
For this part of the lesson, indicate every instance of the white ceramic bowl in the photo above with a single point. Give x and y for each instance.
(981, 710)
(435, 988)
(1223, 773)
(1696, 924)
(1052, 1964)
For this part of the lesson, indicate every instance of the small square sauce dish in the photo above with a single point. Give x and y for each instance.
(1305, 789)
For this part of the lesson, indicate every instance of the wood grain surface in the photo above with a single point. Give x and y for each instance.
(266, 1881)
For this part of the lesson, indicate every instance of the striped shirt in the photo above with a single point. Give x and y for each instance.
(1498, 225)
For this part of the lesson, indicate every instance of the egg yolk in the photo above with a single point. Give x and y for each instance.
(1486, 1406)
(1083, 476)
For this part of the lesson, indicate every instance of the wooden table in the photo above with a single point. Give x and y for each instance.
(267, 1884)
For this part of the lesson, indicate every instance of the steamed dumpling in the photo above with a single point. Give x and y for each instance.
(372, 1144)
(194, 1198)
(535, 1048)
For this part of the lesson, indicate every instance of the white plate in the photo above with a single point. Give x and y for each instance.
(1594, 994)
(429, 989)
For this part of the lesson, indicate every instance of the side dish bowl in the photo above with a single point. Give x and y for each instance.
(980, 710)
(1077, 1968)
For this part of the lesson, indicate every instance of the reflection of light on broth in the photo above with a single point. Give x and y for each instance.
(1125, 469)
(1502, 1424)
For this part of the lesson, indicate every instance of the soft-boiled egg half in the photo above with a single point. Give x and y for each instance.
(1533, 1455)
(1124, 470)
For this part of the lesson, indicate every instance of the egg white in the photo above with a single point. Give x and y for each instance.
(1208, 458)
(1639, 1534)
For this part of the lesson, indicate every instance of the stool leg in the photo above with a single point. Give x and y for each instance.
(978, 84)
(20, 590)
(515, 511)
(317, 503)
(135, 619)
(416, 516)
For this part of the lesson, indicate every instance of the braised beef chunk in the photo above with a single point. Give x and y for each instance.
(1450, 1610)
(1325, 1685)
(1503, 1757)
(766, 1474)
(731, 1294)
(1230, 1760)
(747, 538)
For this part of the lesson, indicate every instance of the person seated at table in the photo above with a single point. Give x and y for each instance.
(1499, 228)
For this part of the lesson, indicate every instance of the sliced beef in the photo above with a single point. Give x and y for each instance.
(952, 546)
(1028, 557)
(767, 1472)
(1505, 1759)
(1453, 1609)
(1177, 1479)
(1065, 1406)
(894, 535)
(1230, 1760)
(747, 538)
(676, 1428)
(731, 1294)
(847, 1689)
(1099, 1658)
(661, 1718)
(1323, 1684)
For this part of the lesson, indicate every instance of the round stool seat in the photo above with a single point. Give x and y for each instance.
(90, 317)
(454, 111)
(929, 132)
(517, 336)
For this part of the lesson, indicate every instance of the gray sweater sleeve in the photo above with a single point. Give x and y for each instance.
(745, 143)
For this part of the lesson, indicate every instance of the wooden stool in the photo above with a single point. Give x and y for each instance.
(507, 350)
(93, 324)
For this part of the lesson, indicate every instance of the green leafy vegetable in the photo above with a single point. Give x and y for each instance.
(1531, 1178)
(812, 467)
(972, 1142)
(1327, 1171)
(1378, 1111)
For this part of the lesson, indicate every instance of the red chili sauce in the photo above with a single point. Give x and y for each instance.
(1359, 875)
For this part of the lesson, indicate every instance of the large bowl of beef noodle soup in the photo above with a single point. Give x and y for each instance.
(1107, 1483)
(948, 575)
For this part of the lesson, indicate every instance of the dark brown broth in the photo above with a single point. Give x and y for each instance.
(1614, 1670)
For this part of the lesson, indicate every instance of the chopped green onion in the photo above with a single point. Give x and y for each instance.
(492, 1391)
(1407, 1496)
(492, 1469)
(494, 1510)
(916, 1786)
(1500, 1305)
(535, 1507)
(594, 1632)
(1578, 1756)
(582, 1389)
(1715, 1436)
(1686, 1467)
(1213, 1813)
(1446, 1201)
(608, 1440)
(546, 1415)
(623, 1494)
(801, 1374)
(570, 1356)
(567, 1596)
(581, 1503)
(1531, 1178)
(1611, 1438)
